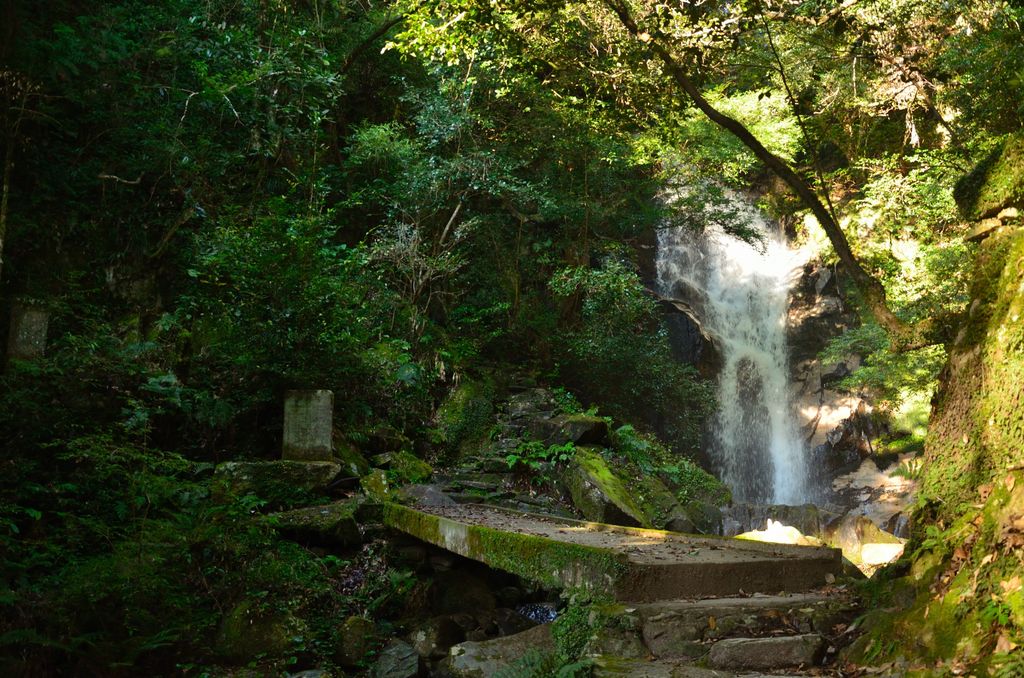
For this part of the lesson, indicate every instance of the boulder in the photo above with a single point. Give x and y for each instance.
(354, 640)
(397, 660)
(807, 518)
(531, 403)
(376, 485)
(579, 429)
(465, 414)
(760, 654)
(248, 633)
(353, 463)
(328, 525)
(274, 478)
(598, 493)
(855, 533)
(487, 658)
(404, 466)
(433, 638)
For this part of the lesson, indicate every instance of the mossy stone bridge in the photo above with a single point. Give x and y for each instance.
(631, 564)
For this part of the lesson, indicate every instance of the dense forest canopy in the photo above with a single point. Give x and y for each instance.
(216, 201)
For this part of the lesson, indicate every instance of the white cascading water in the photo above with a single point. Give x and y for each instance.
(740, 293)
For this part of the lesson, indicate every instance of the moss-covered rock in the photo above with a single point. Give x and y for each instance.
(977, 425)
(995, 184)
(600, 494)
(354, 640)
(404, 467)
(466, 414)
(273, 479)
(328, 525)
(353, 463)
(377, 486)
(248, 633)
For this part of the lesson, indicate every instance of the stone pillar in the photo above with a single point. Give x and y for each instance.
(308, 425)
(27, 337)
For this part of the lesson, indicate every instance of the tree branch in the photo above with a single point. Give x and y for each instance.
(904, 337)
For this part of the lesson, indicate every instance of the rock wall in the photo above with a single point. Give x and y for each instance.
(958, 606)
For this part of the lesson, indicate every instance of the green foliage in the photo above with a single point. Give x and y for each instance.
(688, 481)
(619, 355)
(535, 457)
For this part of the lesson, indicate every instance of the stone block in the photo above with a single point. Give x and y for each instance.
(308, 425)
(27, 337)
(767, 653)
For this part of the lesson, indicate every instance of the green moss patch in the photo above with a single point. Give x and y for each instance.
(545, 561)
(996, 183)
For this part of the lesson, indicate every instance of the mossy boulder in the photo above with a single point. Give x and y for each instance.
(377, 486)
(403, 466)
(579, 429)
(466, 414)
(600, 494)
(354, 640)
(248, 633)
(353, 463)
(328, 525)
(995, 184)
(274, 479)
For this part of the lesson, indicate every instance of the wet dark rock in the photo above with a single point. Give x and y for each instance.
(433, 638)
(808, 518)
(539, 613)
(899, 525)
(397, 660)
(461, 590)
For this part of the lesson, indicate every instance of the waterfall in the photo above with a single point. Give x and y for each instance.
(740, 293)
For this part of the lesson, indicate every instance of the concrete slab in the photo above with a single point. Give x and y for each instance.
(632, 564)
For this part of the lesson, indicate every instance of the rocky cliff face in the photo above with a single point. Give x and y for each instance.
(961, 591)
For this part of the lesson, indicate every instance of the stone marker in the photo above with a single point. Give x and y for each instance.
(27, 337)
(308, 425)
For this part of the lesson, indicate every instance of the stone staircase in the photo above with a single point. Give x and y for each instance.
(723, 636)
(786, 634)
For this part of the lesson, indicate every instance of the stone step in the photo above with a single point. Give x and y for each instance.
(768, 654)
(631, 564)
(685, 628)
(615, 667)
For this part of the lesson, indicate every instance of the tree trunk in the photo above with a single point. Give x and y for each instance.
(904, 337)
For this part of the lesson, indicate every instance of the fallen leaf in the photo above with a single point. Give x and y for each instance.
(984, 491)
(712, 624)
(987, 559)
(1011, 585)
(1004, 645)
(1010, 481)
